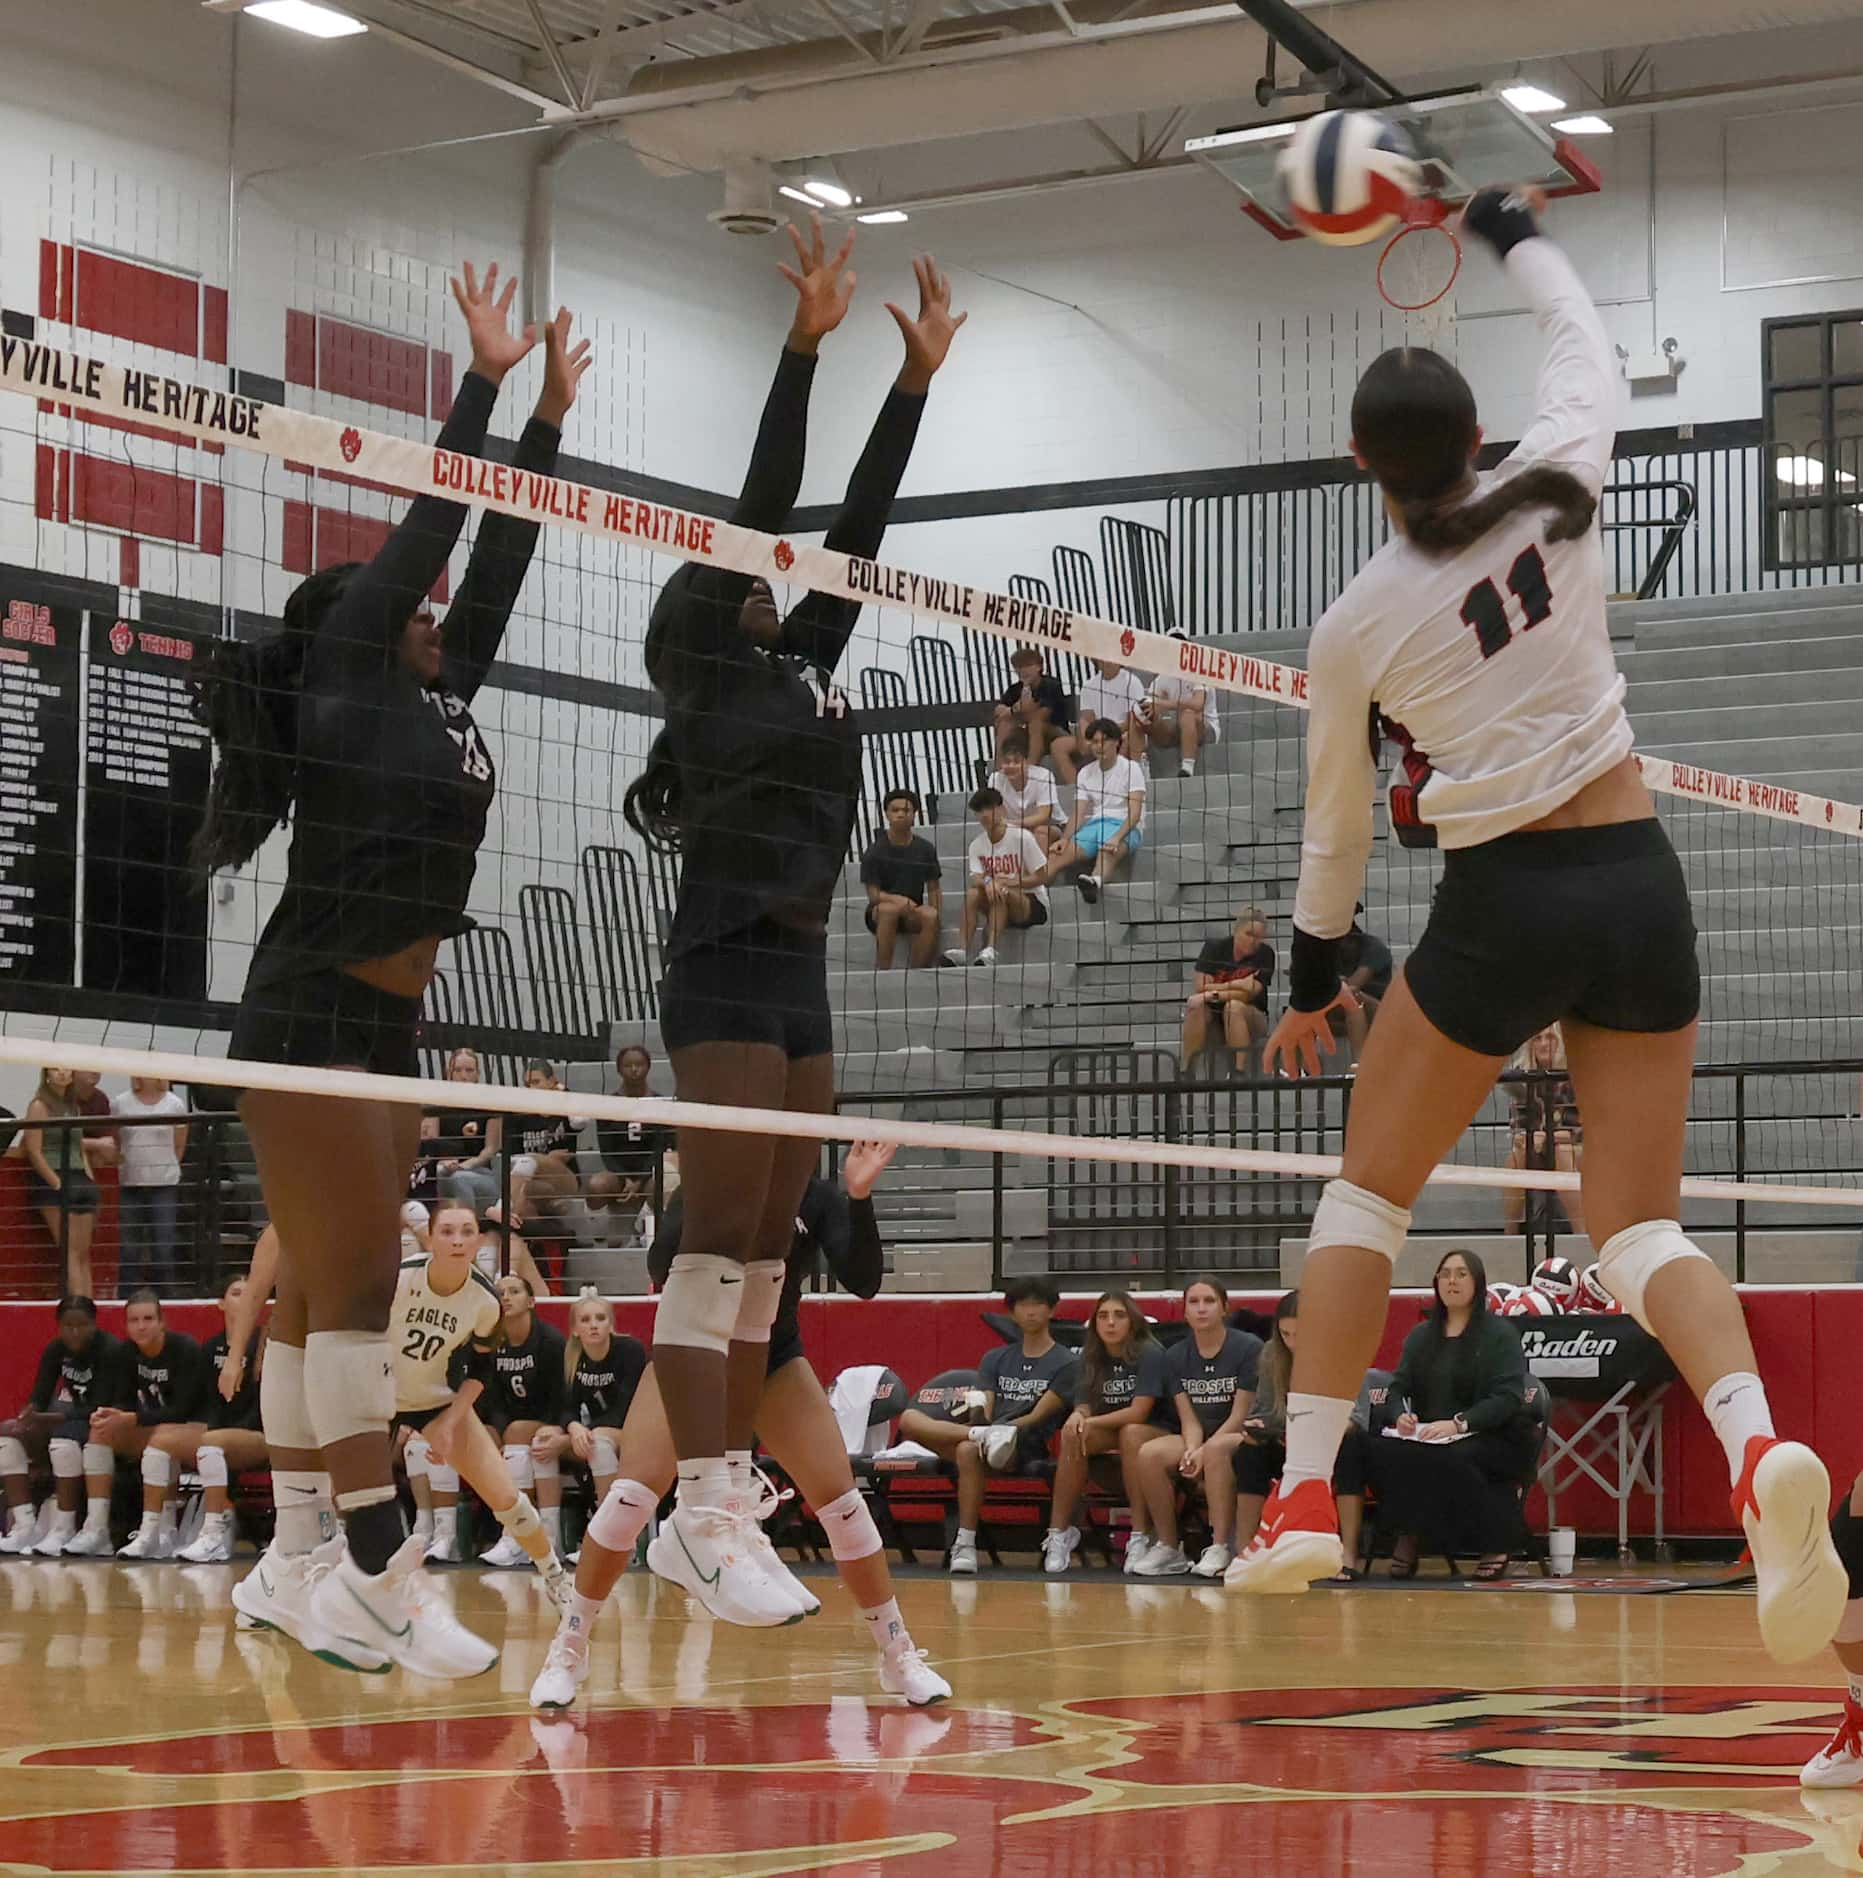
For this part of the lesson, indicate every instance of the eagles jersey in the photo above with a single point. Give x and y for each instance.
(427, 1329)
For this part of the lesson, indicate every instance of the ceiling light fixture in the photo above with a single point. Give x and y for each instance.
(1532, 98)
(796, 195)
(1586, 126)
(831, 193)
(884, 215)
(306, 16)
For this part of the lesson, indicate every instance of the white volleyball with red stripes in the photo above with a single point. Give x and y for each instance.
(1558, 1278)
(1349, 176)
(1531, 1303)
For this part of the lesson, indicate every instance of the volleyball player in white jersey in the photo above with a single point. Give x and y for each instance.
(446, 1317)
(1477, 638)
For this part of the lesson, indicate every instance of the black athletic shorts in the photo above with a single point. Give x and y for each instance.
(766, 984)
(1038, 916)
(414, 1420)
(1588, 923)
(327, 1019)
(870, 919)
(785, 1345)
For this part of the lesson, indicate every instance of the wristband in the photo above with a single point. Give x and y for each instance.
(1312, 972)
(1502, 218)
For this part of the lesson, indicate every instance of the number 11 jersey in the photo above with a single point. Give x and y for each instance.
(427, 1329)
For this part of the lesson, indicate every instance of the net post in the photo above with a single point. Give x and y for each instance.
(1740, 1173)
(996, 1200)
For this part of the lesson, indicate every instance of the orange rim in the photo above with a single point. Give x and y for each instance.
(1396, 241)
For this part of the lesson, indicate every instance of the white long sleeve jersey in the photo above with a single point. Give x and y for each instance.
(1491, 667)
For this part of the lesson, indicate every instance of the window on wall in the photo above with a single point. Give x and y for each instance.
(1812, 371)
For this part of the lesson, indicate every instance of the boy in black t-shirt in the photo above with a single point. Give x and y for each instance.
(1028, 1387)
(1231, 997)
(1034, 704)
(904, 893)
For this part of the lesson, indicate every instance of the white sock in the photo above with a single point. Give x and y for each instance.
(446, 1525)
(423, 1523)
(1855, 1679)
(1316, 1425)
(166, 1519)
(19, 1518)
(1188, 765)
(963, 1533)
(738, 1461)
(704, 1483)
(552, 1517)
(299, 1500)
(97, 1516)
(886, 1627)
(1737, 1410)
(580, 1613)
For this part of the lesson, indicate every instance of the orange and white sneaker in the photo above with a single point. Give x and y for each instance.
(1296, 1544)
(1839, 1763)
(1783, 1503)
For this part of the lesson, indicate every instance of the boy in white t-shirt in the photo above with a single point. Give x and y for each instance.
(1030, 797)
(1006, 875)
(1109, 814)
(1183, 718)
(1117, 695)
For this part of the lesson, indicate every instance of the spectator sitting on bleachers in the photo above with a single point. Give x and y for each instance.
(1471, 1440)
(1232, 978)
(1546, 1129)
(1109, 815)
(1005, 888)
(900, 871)
(77, 1370)
(1212, 1375)
(543, 1168)
(59, 1182)
(1116, 696)
(1365, 966)
(1183, 718)
(459, 1148)
(1029, 794)
(1027, 1387)
(633, 1152)
(1121, 1392)
(1263, 1453)
(1034, 704)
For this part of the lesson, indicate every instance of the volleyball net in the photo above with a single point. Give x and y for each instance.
(1046, 1113)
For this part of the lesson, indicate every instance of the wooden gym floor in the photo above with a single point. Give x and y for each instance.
(1099, 1727)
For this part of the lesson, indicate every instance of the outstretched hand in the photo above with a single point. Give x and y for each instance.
(495, 347)
(824, 286)
(866, 1162)
(1301, 1038)
(928, 337)
(563, 366)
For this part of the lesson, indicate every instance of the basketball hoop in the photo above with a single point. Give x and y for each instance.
(1426, 274)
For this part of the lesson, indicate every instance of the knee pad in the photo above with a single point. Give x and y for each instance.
(520, 1466)
(1348, 1215)
(622, 1516)
(442, 1479)
(524, 1167)
(848, 1522)
(282, 1411)
(416, 1457)
(762, 1296)
(520, 1519)
(603, 1459)
(1847, 1536)
(158, 1469)
(67, 1460)
(1628, 1260)
(210, 1464)
(349, 1384)
(699, 1303)
(12, 1455)
(99, 1459)
(545, 1467)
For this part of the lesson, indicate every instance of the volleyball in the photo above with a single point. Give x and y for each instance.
(1558, 1280)
(1594, 1294)
(1500, 1295)
(1349, 177)
(1531, 1303)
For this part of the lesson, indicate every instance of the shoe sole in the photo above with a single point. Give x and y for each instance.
(657, 1556)
(1802, 1582)
(1832, 1781)
(1290, 1567)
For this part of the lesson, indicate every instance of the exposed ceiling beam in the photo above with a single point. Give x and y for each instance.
(554, 53)
(603, 43)
(923, 17)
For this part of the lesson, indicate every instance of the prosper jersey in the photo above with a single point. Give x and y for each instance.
(602, 1387)
(75, 1382)
(527, 1378)
(1491, 668)
(427, 1328)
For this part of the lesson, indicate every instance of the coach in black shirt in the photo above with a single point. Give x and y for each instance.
(899, 870)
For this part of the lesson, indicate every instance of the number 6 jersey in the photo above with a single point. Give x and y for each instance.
(427, 1329)
(1490, 667)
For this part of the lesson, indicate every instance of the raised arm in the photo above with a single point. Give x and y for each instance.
(819, 627)
(481, 610)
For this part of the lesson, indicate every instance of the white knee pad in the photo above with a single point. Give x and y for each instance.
(520, 1519)
(99, 1459)
(349, 1383)
(12, 1455)
(849, 1525)
(603, 1458)
(1628, 1260)
(282, 1410)
(519, 1465)
(622, 1516)
(757, 1307)
(158, 1469)
(1348, 1215)
(523, 1166)
(67, 1460)
(416, 1457)
(699, 1302)
(210, 1464)
(442, 1479)
(545, 1467)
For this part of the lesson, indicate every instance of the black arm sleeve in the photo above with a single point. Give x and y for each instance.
(819, 627)
(774, 478)
(376, 604)
(45, 1383)
(849, 1236)
(481, 610)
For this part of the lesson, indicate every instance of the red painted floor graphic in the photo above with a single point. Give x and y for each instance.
(1562, 1783)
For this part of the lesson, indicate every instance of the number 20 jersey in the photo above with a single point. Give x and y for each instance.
(426, 1329)
(1491, 666)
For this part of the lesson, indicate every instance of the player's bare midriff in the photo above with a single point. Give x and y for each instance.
(1619, 795)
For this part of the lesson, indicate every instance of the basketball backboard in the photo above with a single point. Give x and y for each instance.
(1468, 139)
